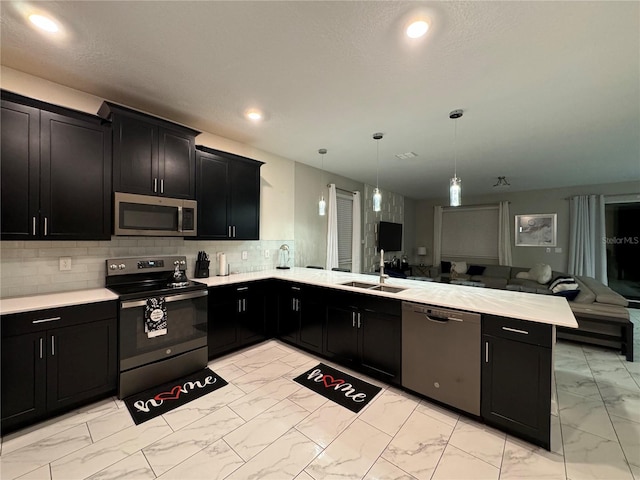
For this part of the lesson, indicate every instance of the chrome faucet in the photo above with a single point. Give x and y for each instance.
(382, 274)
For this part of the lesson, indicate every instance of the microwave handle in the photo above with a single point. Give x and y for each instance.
(180, 219)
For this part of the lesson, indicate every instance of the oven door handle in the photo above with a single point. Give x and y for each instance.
(167, 299)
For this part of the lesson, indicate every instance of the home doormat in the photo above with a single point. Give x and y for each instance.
(158, 400)
(345, 390)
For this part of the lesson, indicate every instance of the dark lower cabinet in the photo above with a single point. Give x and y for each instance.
(301, 316)
(516, 377)
(236, 317)
(366, 334)
(24, 379)
(53, 360)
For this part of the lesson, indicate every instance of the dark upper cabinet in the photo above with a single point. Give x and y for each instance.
(20, 170)
(228, 194)
(516, 377)
(151, 156)
(56, 172)
(53, 360)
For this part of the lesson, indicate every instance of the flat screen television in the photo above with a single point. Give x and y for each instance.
(390, 236)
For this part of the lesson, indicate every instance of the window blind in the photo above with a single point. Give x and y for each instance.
(470, 232)
(345, 229)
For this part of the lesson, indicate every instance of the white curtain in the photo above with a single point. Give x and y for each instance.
(587, 248)
(356, 235)
(332, 229)
(437, 234)
(504, 235)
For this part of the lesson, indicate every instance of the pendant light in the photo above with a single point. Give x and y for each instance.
(455, 184)
(377, 196)
(322, 205)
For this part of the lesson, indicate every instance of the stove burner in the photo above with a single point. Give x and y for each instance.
(178, 284)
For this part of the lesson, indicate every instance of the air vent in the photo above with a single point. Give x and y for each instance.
(404, 156)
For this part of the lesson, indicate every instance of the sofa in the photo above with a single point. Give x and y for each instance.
(602, 316)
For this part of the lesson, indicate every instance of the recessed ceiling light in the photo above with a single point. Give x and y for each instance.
(417, 29)
(254, 115)
(44, 23)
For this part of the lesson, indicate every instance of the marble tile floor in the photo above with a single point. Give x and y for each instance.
(265, 426)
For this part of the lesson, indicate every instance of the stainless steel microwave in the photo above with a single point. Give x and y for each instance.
(146, 215)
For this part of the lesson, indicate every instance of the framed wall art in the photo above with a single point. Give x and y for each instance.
(536, 230)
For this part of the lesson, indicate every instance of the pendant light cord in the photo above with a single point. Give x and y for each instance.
(377, 162)
(455, 148)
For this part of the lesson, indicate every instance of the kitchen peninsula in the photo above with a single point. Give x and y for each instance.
(362, 329)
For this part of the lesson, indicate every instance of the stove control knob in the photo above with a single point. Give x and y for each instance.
(122, 266)
(113, 266)
(177, 262)
(182, 262)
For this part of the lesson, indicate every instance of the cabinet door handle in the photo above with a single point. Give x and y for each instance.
(244, 304)
(41, 346)
(239, 305)
(162, 185)
(229, 231)
(234, 231)
(295, 288)
(241, 289)
(44, 320)
(155, 185)
(34, 225)
(353, 319)
(359, 320)
(515, 330)
(486, 352)
(45, 226)
(53, 345)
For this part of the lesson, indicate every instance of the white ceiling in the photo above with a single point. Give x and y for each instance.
(550, 90)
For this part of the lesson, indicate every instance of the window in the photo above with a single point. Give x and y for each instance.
(345, 229)
(470, 232)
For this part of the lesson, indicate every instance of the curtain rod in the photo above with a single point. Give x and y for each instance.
(341, 189)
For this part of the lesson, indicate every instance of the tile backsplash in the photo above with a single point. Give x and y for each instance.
(32, 267)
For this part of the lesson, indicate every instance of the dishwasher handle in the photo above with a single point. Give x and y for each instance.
(436, 319)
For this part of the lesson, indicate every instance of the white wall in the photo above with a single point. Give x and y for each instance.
(311, 228)
(533, 201)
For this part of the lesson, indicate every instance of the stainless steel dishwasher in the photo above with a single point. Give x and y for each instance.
(441, 355)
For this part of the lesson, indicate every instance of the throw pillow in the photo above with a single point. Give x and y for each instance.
(445, 267)
(475, 270)
(544, 275)
(561, 284)
(570, 295)
(524, 275)
(459, 267)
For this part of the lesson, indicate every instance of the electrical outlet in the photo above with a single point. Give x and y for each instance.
(558, 249)
(548, 250)
(65, 263)
(266, 254)
(245, 255)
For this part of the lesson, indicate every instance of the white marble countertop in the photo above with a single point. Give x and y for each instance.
(54, 300)
(526, 306)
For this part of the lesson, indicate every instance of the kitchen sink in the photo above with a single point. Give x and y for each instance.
(388, 288)
(374, 286)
